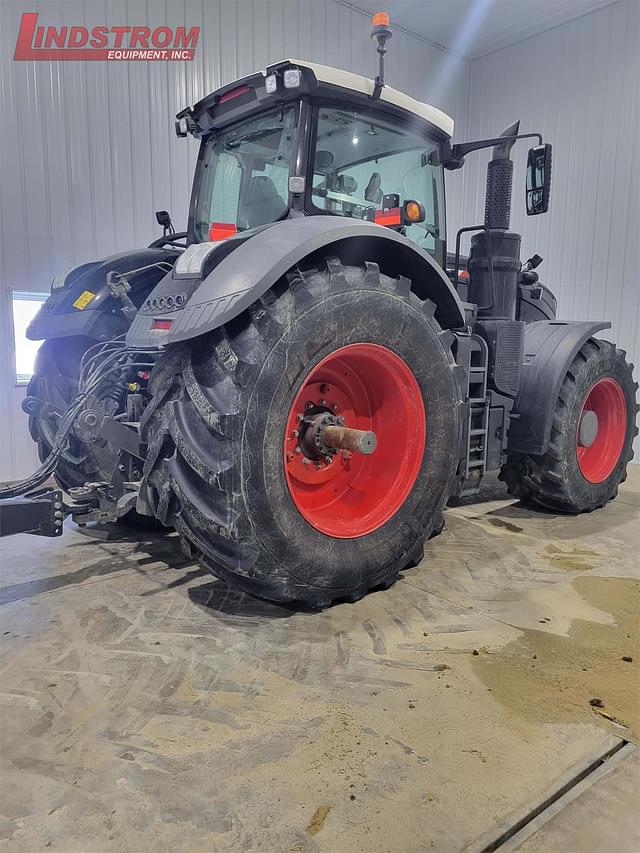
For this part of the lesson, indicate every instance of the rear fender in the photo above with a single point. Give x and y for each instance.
(549, 349)
(254, 264)
(81, 304)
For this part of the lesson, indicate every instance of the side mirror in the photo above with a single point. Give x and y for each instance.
(538, 179)
(163, 218)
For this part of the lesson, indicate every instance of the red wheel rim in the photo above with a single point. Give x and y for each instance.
(606, 400)
(372, 388)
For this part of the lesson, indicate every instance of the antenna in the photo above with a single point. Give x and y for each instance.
(381, 33)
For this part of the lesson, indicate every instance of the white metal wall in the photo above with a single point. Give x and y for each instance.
(578, 84)
(88, 150)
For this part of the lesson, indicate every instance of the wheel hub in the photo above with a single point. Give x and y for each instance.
(323, 434)
(601, 430)
(354, 441)
(588, 429)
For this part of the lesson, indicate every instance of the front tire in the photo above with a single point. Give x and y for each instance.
(55, 383)
(591, 440)
(222, 464)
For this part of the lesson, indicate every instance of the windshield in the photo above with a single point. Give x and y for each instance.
(360, 158)
(244, 174)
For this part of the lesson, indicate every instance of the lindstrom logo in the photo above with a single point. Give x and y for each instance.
(103, 43)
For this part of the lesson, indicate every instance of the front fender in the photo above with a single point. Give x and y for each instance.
(549, 348)
(257, 263)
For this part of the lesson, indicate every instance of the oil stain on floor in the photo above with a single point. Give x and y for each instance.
(545, 677)
(317, 821)
(571, 559)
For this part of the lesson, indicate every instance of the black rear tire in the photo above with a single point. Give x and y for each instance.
(556, 480)
(216, 426)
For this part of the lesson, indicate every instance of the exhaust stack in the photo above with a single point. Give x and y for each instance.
(497, 209)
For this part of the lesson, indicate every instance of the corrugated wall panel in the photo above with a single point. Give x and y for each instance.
(89, 151)
(578, 84)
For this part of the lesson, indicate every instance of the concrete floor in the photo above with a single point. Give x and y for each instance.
(148, 707)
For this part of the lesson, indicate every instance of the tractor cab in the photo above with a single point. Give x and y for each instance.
(306, 139)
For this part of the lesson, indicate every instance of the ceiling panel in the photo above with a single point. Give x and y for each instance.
(474, 28)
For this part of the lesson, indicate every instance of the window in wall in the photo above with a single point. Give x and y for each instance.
(25, 306)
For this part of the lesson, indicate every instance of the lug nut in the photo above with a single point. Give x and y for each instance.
(328, 459)
(305, 461)
(295, 433)
(323, 402)
(299, 417)
(298, 450)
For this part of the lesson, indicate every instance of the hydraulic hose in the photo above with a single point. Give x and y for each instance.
(116, 357)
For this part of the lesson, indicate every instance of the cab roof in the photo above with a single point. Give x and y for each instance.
(239, 97)
(364, 85)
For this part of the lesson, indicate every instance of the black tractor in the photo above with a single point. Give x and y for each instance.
(300, 382)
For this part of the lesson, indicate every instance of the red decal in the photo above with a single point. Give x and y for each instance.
(221, 230)
(388, 217)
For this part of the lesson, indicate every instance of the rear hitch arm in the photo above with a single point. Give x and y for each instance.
(40, 512)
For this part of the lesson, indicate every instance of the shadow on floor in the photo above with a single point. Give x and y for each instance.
(492, 489)
(220, 597)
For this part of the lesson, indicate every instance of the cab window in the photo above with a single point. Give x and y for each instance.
(360, 158)
(243, 180)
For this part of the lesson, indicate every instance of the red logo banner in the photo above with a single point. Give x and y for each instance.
(38, 42)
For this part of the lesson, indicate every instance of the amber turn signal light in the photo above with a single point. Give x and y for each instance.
(412, 211)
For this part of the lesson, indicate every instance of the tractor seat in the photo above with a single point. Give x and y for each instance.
(260, 203)
(373, 192)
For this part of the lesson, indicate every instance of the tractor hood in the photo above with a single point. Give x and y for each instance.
(81, 303)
